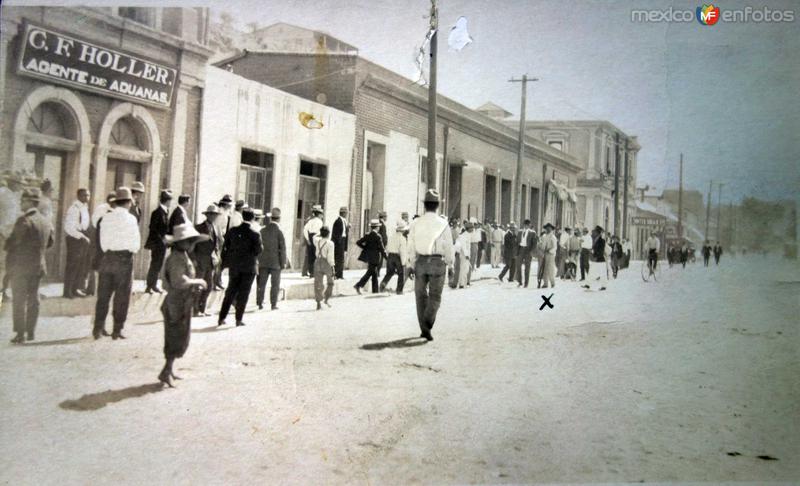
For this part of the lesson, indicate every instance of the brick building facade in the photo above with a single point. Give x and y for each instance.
(101, 97)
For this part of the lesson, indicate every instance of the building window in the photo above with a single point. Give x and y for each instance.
(608, 160)
(255, 179)
(142, 15)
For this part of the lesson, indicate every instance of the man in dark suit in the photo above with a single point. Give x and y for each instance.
(373, 252)
(339, 237)
(509, 253)
(205, 256)
(181, 213)
(31, 236)
(271, 261)
(156, 242)
(240, 254)
(384, 236)
(527, 241)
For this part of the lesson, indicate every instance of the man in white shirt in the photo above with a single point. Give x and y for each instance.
(652, 246)
(310, 230)
(76, 227)
(397, 259)
(497, 245)
(475, 243)
(323, 266)
(586, 253)
(119, 241)
(236, 215)
(430, 249)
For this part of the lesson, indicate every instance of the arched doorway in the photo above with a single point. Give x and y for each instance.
(51, 140)
(129, 149)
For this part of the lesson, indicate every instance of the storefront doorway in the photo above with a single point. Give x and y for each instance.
(50, 164)
(311, 191)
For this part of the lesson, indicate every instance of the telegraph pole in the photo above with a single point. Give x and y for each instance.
(680, 200)
(431, 168)
(616, 186)
(719, 206)
(708, 206)
(515, 196)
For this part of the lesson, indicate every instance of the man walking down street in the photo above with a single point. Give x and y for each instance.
(26, 245)
(527, 244)
(310, 230)
(372, 253)
(430, 252)
(341, 232)
(586, 253)
(76, 227)
(717, 253)
(497, 245)
(598, 269)
(509, 253)
(222, 224)
(323, 267)
(119, 241)
(205, 256)
(397, 260)
(549, 246)
(240, 253)
(156, 240)
(384, 236)
(271, 261)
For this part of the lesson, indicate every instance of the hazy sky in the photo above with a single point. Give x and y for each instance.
(727, 95)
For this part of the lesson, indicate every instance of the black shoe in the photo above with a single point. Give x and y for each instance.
(18, 339)
(30, 336)
(165, 378)
(319, 306)
(274, 307)
(80, 293)
(260, 306)
(427, 335)
(383, 288)
(157, 290)
(239, 323)
(358, 289)
(221, 322)
(117, 335)
(602, 288)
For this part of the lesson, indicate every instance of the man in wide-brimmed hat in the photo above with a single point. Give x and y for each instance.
(26, 246)
(156, 243)
(310, 230)
(598, 271)
(180, 215)
(339, 236)
(206, 256)
(137, 191)
(397, 259)
(222, 223)
(510, 249)
(271, 261)
(96, 252)
(182, 287)
(76, 230)
(119, 240)
(372, 252)
(430, 248)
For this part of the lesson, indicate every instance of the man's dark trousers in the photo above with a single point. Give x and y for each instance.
(25, 303)
(156, 262)
(77, 267)
(264, 275)
(115, 278)
(524, 262)
(510, 268)
(338, 259)
(429, 276)
(394, 266)
(239, 285)
(207, 274)
(371, 274)
(584, 262)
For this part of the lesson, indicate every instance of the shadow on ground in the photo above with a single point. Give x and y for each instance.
(96, 401)
(400, 343)
(60, 342)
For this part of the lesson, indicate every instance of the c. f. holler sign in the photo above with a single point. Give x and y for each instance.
(59, 58)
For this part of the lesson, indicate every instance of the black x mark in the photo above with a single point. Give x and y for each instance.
(546, 302)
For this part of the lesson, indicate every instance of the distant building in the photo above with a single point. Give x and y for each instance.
(282, 37)
(493, 111)
(476, 155)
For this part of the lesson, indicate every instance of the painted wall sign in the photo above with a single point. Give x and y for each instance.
(640, 221)
(60, 58)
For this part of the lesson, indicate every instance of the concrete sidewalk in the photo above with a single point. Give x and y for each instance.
(148, 306)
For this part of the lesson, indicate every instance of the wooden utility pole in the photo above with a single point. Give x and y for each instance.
(680, 200)
(719, 206)
(431, 168)
(708, 207)
(616, 185)
(515, 196)
(625, 195)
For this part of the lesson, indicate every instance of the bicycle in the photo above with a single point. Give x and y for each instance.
(651, 269)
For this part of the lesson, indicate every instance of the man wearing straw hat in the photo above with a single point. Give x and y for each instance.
(182, 287)
(310, 230)
(372, 253)
(119, 240)
(137, 190)
(206, 257)
(397, 260)
(339, 236)
(26, 245)
(430, 246)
